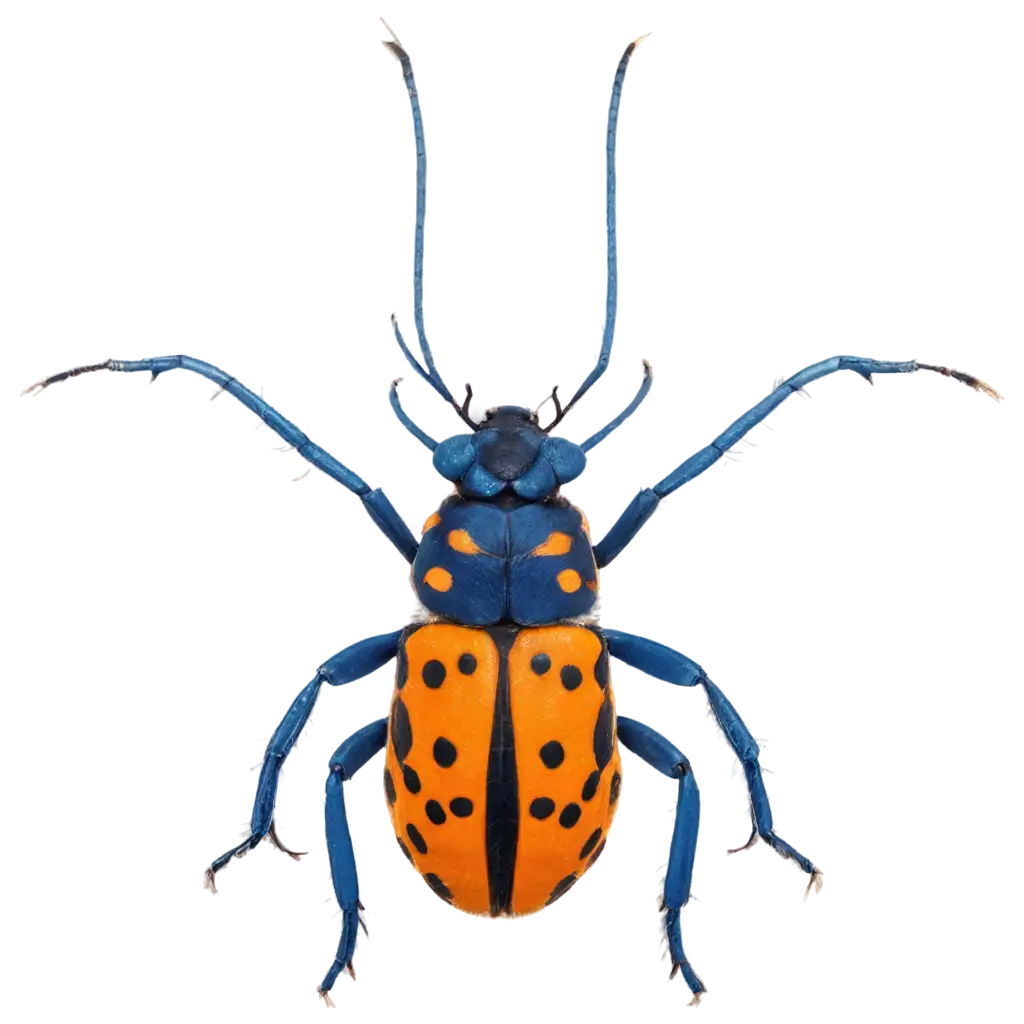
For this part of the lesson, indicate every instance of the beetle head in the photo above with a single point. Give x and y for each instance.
(509, 452)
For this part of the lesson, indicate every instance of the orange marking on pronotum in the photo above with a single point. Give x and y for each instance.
(432, 520)
(438, 579)
(556, 544)
(569, 580)
(460, 540)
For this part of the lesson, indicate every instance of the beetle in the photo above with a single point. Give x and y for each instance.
(509, 576)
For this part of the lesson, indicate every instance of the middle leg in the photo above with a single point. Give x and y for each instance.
(664, 663)
(662, 755)
(354, 662)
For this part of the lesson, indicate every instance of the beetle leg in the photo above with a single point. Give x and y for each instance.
(347, 760)
(642, 507)
(284, 849)
(663, 756)
(353, 662)
(376, 503)
(664, 663)
(747, 751)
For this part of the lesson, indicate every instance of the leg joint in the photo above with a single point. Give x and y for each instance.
(748, 756)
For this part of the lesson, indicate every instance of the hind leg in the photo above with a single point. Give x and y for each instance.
(662, 755)
(347, 760)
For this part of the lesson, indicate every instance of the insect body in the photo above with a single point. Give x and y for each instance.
(502, 771)
(502, 774)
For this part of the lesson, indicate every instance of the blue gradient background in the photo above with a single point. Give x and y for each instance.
(769, 217)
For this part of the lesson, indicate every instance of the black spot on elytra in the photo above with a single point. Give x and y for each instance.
(601, 673)
(590, 786)
(410, 778)
(552, 754)
(434, 673)
(543, 807)
(389, 788)
(444, 752)
(467, 664)
(461, 806)
(435, 812)
(400, 729)
(540, 663)
(597, 853)
(561, 889)
(569, 816)
(613, 793)
(588, 846)
(416, 838)
(438, 886)
(405, 849)
(604, 734)
(571, 677)
(402, 674)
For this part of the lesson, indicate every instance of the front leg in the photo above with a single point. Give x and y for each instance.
(352, 663)
(642, 507)
(376, 503)
(664, 663)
